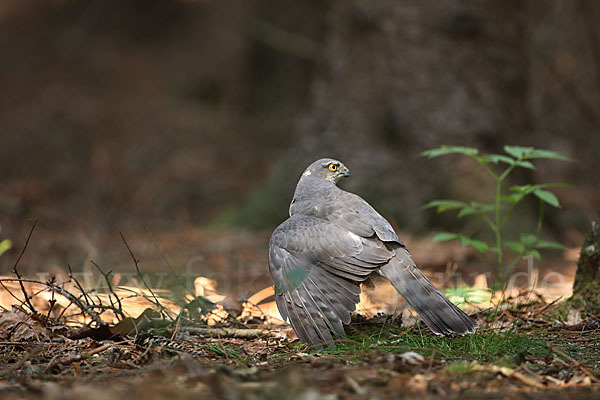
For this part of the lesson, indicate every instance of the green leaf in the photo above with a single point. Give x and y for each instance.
(515, 246)
(536, 153)
(445, 150)
(534, 253)
(494, 250)
(465, 294)
(547, 197)
(478, 245)
(551, 185)
(5, 245)
(524, 189)
(445, 205)
(525, 164)
(544, 195)
(476, 208)
(466, 211)
(544, 244)
(528, 239)
(443, 236)
(496, 158)
(459, 367)
(541, 210)
(518, 151)
(530, 152)
(513, 198)
(483, 207)
(496, 286)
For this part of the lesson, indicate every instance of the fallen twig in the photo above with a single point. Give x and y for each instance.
(547, 306)
(511, 373)
(355, 386)
(79, 357)
(230, 332)
(576, 363)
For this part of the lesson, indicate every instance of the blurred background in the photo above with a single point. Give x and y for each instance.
(186, 124)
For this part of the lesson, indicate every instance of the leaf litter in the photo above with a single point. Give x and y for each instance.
(60, 340)
(521, 348)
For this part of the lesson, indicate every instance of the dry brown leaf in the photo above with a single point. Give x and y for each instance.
(17, 325)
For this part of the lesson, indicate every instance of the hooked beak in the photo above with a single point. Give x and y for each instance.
(346, 172)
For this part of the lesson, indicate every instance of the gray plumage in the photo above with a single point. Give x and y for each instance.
(333, 241)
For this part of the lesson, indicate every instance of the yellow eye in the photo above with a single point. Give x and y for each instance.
(333, 167)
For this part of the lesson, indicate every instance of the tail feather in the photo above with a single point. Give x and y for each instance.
(440, 315)
(308, 324)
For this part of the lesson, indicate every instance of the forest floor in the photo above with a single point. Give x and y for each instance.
(524, 348)
(521, 351)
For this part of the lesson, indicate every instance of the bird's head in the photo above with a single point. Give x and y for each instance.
(328, 169)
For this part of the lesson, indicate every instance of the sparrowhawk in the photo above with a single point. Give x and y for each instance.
(333, 241)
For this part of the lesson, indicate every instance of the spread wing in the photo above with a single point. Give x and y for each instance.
(317, 267)
(346, 210)
(355, 214)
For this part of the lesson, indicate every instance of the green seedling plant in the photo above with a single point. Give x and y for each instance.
(5, 245)
(497, 213)
(463, 295)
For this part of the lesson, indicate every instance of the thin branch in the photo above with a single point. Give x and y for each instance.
(576, 363)
(64, 310)
(510, 210)
(79, 286)
(487, 221)
(11, 293)
(16, 271)
(487, 168)
(52, 302)
(164, 257)
(111, 292)
(71, 297)
(137, 268)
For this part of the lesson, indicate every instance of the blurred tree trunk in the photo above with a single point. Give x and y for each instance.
(586, 288)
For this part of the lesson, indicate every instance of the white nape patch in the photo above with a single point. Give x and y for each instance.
(306, 173)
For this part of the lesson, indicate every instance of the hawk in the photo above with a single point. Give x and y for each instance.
(333, 241)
